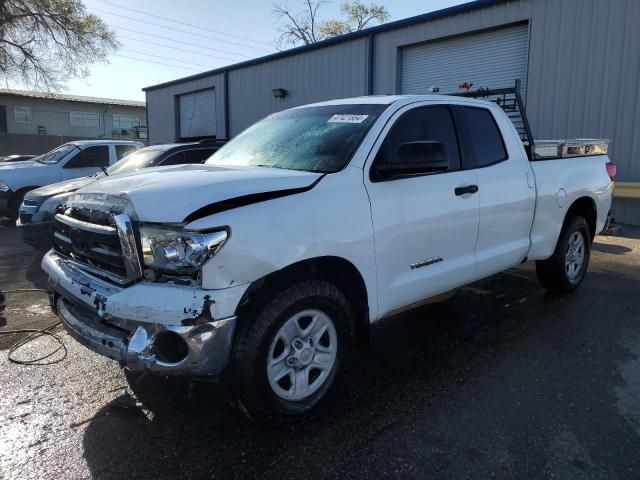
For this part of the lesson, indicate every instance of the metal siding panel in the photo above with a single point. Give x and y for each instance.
(198, 114)
(337, 71)
(626, 211)
(583, 79)
(491, 59)
(388, 43)
(583, 70)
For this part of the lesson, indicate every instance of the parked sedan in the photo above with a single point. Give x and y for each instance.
(16, 158)
(35, 220)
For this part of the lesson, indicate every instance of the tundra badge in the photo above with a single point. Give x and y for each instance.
(425, 263)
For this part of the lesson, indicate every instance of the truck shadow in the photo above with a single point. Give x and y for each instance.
(613, 249)
(414, 358)
(35, 274)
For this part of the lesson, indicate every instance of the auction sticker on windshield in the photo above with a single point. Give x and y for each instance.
(347, 118)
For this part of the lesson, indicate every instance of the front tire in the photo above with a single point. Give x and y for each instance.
(565, 270)
(286, 360)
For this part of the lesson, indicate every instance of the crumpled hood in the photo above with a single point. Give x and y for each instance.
(65, 186)
(171, 194)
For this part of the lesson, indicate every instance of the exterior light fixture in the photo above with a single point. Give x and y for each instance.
(279, 92)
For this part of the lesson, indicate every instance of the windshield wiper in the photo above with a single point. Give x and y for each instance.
(104, 170)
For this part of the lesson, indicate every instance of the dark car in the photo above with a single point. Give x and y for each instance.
(35, 220)
(16, 158)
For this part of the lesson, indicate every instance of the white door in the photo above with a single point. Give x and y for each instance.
(86, 162)
(425, 226)
(198, 114)
(506, 188)
(491, 59)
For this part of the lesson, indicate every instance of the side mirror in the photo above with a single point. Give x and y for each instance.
(415, 158)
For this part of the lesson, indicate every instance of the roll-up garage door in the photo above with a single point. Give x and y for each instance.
(198, 114)
(492, 59)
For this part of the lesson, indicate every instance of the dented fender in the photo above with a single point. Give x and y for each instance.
(157, 303)
(157, 327)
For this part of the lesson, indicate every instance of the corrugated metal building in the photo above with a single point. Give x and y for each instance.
(577, 59)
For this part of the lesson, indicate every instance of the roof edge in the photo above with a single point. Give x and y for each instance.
(385, 27)
(68, 97)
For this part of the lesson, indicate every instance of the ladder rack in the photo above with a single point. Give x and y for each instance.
(510, 100)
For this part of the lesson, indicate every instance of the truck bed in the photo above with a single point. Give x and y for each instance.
(559, 182)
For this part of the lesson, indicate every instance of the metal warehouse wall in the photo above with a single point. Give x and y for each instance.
(53, 115)
(161, 108)
(316, 75)
(583, 75)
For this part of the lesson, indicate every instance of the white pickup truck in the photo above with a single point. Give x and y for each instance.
(81, 158)
(268, 263)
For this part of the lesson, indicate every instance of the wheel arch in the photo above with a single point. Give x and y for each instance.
(584, 207)
(23, 190)
(18, 195)
(337, 270)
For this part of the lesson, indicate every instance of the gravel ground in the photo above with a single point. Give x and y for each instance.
(501, 380)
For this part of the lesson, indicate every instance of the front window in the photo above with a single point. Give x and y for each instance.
(422, 124)
(318, 139)
(57, 154)
(145, 157)
(85, 119)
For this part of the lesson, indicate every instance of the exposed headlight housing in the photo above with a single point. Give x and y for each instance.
(175, 250)
(4, 187)
(50, 205)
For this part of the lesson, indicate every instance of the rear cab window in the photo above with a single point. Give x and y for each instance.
(483, 135)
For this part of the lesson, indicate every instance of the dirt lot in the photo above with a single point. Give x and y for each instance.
(501, 381)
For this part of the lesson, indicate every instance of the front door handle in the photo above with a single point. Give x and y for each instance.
(468, 189)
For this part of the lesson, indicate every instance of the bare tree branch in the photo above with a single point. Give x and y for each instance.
(43, 43)
(304, 27)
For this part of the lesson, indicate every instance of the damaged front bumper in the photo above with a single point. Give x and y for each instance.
(163, 328)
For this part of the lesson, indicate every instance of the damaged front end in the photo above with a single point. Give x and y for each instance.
(142, 327)
(101, 292)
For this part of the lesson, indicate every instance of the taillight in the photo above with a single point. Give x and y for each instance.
(611, 170)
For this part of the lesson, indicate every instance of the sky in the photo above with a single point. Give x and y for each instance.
(163, 40)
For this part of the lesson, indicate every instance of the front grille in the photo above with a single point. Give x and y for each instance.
(95, 245)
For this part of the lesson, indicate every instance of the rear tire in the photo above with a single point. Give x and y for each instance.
(286, 360)
(565, 270)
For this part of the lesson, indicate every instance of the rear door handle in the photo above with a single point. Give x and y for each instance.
(468, 189)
